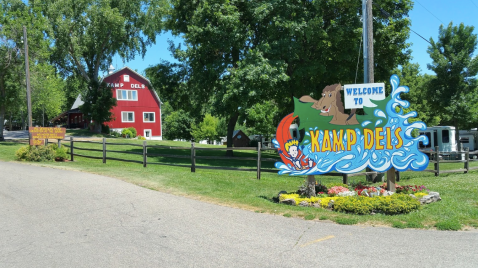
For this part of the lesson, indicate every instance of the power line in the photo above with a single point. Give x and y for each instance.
(429, 11)
(421, 36)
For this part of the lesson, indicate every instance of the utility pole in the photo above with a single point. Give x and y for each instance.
(27, 70)
(368, 63)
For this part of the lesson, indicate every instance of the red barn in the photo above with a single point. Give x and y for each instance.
(138, 105)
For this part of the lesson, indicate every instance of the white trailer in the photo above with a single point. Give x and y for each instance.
(444, 138)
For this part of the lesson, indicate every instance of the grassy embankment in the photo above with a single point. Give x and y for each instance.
(458, 208)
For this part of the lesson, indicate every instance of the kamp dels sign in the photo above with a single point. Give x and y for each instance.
(348, 143)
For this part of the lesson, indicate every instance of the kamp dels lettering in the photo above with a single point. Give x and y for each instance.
(348, 143)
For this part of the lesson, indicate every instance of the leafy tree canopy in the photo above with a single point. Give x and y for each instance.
(453, 92)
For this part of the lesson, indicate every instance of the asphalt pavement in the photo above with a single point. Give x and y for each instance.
(61, 218)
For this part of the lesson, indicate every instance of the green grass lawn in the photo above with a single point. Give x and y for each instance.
(458, 208)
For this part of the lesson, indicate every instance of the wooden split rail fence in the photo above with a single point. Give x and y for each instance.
(435, 159)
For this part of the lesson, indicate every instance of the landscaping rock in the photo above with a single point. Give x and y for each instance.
(430, 198)
(331, 204)
(290, 201)
(304, 204)
(316, 205)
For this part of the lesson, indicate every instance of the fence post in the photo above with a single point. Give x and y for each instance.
(104, 150)
(71, 149)
(145, 154)
(437, 160)
(46, 142)
(59, 143)
(467, 157)
(258, 160)
(345, 178)
(193, 157)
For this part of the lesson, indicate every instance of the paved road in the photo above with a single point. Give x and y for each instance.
(14, 135)
(59, 218)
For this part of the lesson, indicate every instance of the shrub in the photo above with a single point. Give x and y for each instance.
(61, 153)
(36, 153)
(394, 204)
(126, 133)
(134, 133)
(354, 204)
(141, 138)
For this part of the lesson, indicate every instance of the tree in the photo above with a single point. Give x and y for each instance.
(178, 126)
(14, 14)
(239, 53)
(260, 118)
(48, 95)
(417, 83)
(453, 92)
(207, 129)
(88, 33)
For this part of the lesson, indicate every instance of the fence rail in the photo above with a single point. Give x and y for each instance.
(435, 158)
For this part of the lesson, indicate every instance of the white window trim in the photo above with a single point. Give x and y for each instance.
(149, 121)
(127, 121)
(126, 78)
(126, 90)
(150, 134)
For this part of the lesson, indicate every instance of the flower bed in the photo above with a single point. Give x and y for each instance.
(363, 199)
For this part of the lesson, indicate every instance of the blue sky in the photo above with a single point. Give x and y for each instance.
(426, 17)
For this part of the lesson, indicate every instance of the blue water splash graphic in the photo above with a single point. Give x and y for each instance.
(406, 157)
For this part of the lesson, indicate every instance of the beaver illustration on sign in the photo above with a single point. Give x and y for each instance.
(330, 104)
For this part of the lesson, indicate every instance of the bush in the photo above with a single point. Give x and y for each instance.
(141, 138)
(394, 204)
(61, 153)
(133, 132)
(126, 133)
(36, 153)
(354, 204)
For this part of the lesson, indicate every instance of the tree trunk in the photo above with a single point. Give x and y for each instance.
(97, 128)
(230, 130)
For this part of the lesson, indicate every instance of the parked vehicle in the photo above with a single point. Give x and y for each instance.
(444, 138)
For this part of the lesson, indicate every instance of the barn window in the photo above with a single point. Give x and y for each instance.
(122, 94)
(127, 116)
(148, 117)
(126, 78)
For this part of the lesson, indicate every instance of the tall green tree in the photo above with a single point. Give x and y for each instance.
(453, 92)
(206, 130)
(88, 33)
(418, 84)
(239, 53)
(260, 118)
(48, 94)
(177, 125)
(14, 14)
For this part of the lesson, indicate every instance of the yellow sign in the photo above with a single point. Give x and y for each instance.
(48, 133)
